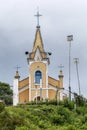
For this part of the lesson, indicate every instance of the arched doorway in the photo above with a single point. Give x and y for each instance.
(37, 98)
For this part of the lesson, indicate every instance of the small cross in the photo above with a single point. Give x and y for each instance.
(61, 66)
(38, 15)
(17, 67)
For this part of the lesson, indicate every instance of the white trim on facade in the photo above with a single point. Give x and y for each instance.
(23, 89)
(15, 92)
(47, 80)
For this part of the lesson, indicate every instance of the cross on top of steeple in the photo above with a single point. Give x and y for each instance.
(17, 68)
(61, 67)
(38, 15)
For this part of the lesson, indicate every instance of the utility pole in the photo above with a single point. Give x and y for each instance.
(76, 61)
(69, 39)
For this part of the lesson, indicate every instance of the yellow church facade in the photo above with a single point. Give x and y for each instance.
(39, 85)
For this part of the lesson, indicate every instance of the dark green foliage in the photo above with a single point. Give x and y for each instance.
(81, 110)
(68, 104)
(80, 100)
(5, 93)
(64, 112)
(2, 106)
(44, 117)
(71, 127)
(57, 119)
(9, 120)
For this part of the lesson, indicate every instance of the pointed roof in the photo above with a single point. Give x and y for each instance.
(38, 43)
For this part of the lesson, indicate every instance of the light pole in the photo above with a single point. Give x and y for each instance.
(69, 39)
(76, 61)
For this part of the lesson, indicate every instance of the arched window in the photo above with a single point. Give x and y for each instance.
(38, 76)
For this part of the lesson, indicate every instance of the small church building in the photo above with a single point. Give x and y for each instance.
(39, 85)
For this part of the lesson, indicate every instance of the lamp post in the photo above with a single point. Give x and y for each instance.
(76, 61)
(69, 39)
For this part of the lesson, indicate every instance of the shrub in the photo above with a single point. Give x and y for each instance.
(84, 126)
(44, 124)
(85, 117)
(71, 127)
(22, 128)
(65, 112)
(51, 102)
(77, 122)
(68, 104)
(81, 110)
(2, 106)
(57, 119)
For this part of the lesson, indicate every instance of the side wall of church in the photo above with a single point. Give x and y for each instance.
(24, 82)
(24, 96)
(52, 94)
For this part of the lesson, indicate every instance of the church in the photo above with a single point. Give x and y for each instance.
(39, 85)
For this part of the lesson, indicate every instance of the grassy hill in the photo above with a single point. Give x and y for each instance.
(45, 116)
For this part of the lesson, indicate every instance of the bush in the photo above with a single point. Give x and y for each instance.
(77, 122)
(57, 119)
(84, 126)
(81, 110)
(71, 127)
(2, 106)
(51, 102)
(68, 104)
(43, 117)
(65, 112)
(80, 100)
(85, 117)
(22, 128)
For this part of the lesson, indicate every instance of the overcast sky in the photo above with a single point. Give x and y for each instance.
(60, 18)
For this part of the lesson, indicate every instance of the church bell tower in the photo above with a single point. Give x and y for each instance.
(38, 61)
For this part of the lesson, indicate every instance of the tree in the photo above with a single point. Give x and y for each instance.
(79, 99)
(6, 93)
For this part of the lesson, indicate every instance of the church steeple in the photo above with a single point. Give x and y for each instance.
(38, 43)
(38, 52)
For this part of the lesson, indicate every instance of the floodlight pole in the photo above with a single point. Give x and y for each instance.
(69, 39)
(76, 61)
